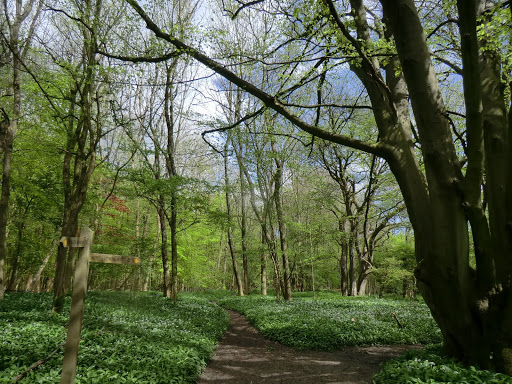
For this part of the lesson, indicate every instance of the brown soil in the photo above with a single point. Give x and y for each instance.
(244, 356)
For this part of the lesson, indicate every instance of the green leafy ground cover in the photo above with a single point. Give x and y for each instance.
(332, 321)
(327, 321)
(428, 366)
(143, 338)
(127, 338)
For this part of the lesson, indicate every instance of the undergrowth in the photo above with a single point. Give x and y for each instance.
(333, 321)
(126, 338)
(429, 366)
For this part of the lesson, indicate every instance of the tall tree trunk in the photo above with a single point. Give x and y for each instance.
(173, 223)
(147, 281)
(262, 215)
(278, 182)
(4, 140)
(80, 156)
(164, 251)
(352, 268)
(170, 163)
(243, 228)
(17, 255)
(263, 267)
(343, 257)
(4, 200)
(9, 134)
(236, 275)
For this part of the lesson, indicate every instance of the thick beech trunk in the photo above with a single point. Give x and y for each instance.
(472, 308)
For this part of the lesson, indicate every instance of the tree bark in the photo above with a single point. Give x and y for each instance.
(278, 182)
(166, 289)
(147, 281)
(80, 156)
(236, 274)
(170, 161)
(243, 229)
(263, 266)
(10, 128)
(16, 257)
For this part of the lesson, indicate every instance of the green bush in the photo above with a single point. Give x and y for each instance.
(428, 366)
(126, 338)
(335, 321)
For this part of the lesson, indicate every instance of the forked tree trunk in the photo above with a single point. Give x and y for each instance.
(83, 137)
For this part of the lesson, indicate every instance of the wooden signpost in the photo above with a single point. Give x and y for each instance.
(112, 259)
(76, 315)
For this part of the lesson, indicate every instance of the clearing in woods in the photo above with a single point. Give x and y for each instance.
(244, 356)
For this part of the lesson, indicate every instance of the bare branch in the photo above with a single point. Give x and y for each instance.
(380, 149)
(329, 105)
(245, 5)
(138, 59)
(455, 67)
(442, 25)
(37, 364)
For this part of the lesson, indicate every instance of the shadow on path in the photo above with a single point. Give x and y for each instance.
(244, 356)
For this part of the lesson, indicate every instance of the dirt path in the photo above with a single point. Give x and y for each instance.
(244, 356)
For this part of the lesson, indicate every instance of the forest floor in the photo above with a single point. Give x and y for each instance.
(244, 356)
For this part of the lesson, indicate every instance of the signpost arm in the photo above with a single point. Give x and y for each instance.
(77, 309)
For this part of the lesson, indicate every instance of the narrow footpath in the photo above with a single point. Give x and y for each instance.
(244, 356)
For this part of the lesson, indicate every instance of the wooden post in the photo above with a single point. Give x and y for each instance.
(77, 307)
